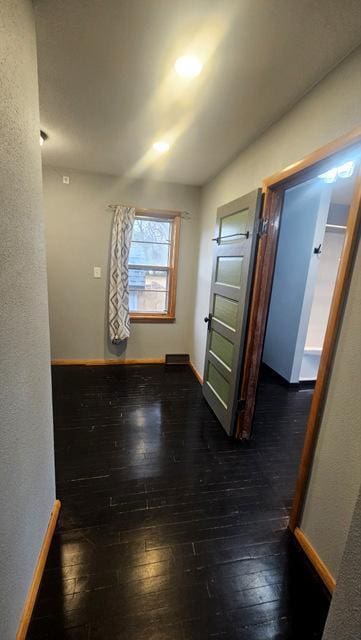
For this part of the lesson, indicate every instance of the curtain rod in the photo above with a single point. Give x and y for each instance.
(161, 212)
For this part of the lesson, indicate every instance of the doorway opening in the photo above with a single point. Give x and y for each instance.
(311, 238)
(306, 239)
(312, 232)
(336, 170)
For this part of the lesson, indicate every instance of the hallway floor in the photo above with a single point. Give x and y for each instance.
(169, 530)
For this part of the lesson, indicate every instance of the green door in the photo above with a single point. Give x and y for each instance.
(234, 254)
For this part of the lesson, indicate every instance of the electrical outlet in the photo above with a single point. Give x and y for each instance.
(66, 179)
(97, 272)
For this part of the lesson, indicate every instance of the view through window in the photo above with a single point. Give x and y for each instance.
(151, 267)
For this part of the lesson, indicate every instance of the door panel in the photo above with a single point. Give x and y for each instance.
(218, 384)
(232, 225)
(221, 348)
(229, 270)
(225, 311)
(234, 252)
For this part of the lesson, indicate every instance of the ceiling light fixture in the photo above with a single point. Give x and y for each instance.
(188, 67)
(344, 171)
(161, 146)
(42, 137)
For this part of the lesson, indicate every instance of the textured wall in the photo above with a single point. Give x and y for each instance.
(344, 619)
(336, 473)
(329, 110)
(78, 224)
(26, 450)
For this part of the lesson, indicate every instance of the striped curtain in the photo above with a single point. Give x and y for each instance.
(119, 323)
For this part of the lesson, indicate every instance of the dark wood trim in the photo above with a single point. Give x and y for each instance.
(260, 296)
(318, 564)
(38, 574)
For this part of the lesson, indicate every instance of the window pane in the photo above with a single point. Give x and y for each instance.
(151, 245)
(148, 301)
(152, 254)
(151, 230)
(148, 279)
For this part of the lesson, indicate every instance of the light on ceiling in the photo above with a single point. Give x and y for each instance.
(329, 176)
(161, 146)
(188, 67)
(343, 171)
(346, 170)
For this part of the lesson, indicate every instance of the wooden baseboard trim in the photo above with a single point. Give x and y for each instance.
(38, 574)
(95, 362)
(311, 553)
(196, 373)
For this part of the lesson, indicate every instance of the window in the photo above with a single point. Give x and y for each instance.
(152, 268)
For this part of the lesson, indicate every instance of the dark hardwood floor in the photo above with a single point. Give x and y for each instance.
(168, 529)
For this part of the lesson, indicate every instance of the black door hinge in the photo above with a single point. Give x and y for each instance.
(263, 227)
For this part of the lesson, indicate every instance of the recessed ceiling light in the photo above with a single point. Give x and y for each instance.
(42, 138)
(161, 146)
(188, 66)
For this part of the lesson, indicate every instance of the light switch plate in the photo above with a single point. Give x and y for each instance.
(66, 179)
(97, 272)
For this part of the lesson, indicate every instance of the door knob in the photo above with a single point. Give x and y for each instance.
(208, 320)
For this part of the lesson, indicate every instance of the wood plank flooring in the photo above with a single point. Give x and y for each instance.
(168, 529)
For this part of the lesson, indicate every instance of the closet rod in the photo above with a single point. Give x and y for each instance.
(335, 226)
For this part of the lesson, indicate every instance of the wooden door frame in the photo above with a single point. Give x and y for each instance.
(273, 193)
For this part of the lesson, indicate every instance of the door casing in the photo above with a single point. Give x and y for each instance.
(273, 189)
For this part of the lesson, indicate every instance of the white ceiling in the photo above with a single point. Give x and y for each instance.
(108, 89)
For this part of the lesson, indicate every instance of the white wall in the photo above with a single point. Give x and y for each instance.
(329, 110)
(303, 223)
(78, 226)
(325, 283)
(26, 452)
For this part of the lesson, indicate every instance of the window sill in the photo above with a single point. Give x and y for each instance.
(148, 317)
